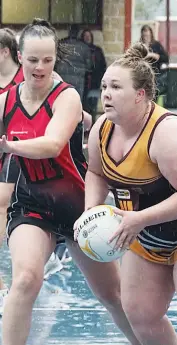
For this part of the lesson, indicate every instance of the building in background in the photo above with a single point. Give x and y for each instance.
(153, 13)
(106, 18)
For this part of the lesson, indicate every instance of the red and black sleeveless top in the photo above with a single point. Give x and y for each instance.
(18, 78)
(19, 125)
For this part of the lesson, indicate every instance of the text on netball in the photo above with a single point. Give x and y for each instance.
(92, 217)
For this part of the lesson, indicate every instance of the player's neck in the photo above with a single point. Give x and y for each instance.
(131, 127)
(36, 94)
(9, 68)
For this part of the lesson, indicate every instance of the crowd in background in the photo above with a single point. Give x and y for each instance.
(86, 64)
(84, 67)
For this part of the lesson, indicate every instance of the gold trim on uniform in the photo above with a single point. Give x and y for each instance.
(127, 172)
(153, 256)
(136, 170)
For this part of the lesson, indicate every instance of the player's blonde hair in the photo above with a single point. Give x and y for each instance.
(137, 60)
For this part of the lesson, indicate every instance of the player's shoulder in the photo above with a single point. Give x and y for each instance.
(69, 96)
(168, 125)
(164, 137)
(94, 133)
(99, 122)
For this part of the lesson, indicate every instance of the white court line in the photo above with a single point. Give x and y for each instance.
(68, 308)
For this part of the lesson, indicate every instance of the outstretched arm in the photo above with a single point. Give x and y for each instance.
(67, 112)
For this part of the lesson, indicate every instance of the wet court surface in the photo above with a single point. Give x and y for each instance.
(67, 313)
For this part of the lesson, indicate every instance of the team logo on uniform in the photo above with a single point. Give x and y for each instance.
(123, 194)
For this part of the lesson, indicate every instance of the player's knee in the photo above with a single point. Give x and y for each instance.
(110, 298)
(142, 314)
(28, 282)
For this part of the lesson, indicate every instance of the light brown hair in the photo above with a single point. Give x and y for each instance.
(42, 28)
(143, 77)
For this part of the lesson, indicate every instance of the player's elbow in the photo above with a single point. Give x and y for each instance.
(55, 149)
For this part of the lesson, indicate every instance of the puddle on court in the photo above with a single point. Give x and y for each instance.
(67, 313)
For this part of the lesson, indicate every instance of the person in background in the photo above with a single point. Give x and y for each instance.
(11, 73)
(93, 78)
(78, 62)
(158, 55)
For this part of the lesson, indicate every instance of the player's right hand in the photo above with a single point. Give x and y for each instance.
(76, 231)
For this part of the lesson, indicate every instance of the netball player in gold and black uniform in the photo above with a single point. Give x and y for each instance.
(133, 152)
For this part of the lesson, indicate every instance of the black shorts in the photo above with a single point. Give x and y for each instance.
(36, 204)
(19, 219)
(10, 169)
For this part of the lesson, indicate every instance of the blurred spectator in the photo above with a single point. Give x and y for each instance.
(78, 61)
(87, 121)
(158, 55)
(93, 78)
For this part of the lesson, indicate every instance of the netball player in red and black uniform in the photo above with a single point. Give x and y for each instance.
(43, 122)
(11, 74)
(49, 193)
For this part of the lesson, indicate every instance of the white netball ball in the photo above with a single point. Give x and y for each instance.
(96, 226)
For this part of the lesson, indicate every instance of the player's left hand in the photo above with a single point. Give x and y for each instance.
(4, 145)
(129, 228)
